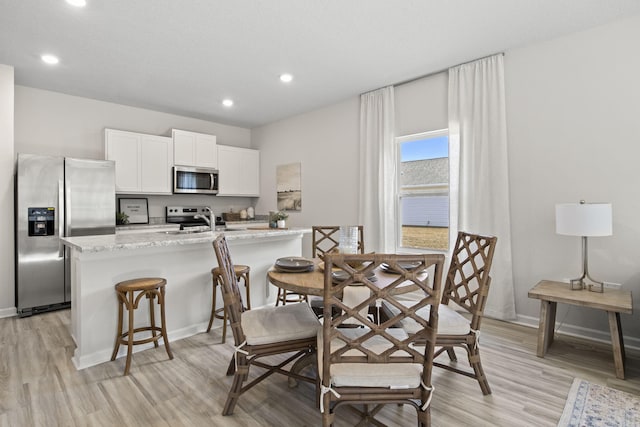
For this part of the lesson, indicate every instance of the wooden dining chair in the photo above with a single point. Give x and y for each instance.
(378, 364)
(465, 291)
(326, 239)
(271, 331)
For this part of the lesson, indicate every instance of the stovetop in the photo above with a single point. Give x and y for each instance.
(185, 216)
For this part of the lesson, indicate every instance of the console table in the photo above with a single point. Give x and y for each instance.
(612, 301)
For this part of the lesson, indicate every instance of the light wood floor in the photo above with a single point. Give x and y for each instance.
(39, 385)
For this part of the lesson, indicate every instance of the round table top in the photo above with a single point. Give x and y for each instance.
(312, 282)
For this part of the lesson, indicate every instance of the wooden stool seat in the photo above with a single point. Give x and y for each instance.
(129, 293)
(241, 272)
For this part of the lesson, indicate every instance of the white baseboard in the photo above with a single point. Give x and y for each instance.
(8, 312)
(579, 331)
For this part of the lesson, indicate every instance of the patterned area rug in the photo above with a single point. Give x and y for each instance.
(596, 405)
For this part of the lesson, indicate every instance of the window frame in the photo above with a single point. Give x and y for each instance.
(399, 194)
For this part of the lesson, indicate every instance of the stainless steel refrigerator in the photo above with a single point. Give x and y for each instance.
(56, 197)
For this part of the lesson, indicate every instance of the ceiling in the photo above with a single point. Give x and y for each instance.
(184, 57)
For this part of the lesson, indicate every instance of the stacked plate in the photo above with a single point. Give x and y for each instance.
(341, 275)
(294, 265)
(405, 265)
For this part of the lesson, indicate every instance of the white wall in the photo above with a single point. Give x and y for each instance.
(7, 274)
(52, 123)
(573, 127)
(325, 142)
(572, 111)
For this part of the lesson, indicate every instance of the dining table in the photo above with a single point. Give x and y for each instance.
(312, 282)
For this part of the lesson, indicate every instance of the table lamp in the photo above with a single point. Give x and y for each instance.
(585, 220)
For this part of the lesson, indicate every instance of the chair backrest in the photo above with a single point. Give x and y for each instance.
(325, 239)
(378, 342)
(467, 282)
(230, 290)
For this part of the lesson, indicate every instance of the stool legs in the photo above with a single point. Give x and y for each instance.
(284, 297)
(127, 299)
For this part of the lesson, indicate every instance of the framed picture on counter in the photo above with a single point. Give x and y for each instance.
(137, 210)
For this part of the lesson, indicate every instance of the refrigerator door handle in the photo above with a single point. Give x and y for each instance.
(60, 218)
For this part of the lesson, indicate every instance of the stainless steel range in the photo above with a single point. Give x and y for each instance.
(192, 216)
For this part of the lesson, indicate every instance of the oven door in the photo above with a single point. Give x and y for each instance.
(195, 180)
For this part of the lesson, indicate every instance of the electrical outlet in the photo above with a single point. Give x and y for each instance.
(611, 285)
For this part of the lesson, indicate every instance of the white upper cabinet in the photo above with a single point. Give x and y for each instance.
(194, 149)
(143, 162)
(239, 171)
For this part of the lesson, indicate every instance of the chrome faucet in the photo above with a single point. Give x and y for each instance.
(208, 220)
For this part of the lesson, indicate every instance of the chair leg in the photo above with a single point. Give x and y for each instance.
(424, 417)
(281, 297)
(116, 346)
(231, 369)
(164, 324)
(452, 354)
(130, 335)
(213, 305)
(152, 318)
(476, 364)
(247, 287)
(235, 391)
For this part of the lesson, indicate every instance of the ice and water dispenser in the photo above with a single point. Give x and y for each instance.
(41, 221)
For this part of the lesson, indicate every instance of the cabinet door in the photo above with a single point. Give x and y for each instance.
(206, 151)
(123, 148)
(156, 158)
(239, 171)
(183, 147)
(194, 149)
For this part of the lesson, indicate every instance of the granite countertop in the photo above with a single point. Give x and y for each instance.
(116, 242)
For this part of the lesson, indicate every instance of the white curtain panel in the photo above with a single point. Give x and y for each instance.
(477, 126)
(376, 204)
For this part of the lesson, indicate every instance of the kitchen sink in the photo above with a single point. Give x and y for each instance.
(185, 231)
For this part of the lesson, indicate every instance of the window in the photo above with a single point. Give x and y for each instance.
(423, 191)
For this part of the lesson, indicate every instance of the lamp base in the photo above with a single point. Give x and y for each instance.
(580, 283)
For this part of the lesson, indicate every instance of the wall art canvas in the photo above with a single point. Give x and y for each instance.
(288, 185)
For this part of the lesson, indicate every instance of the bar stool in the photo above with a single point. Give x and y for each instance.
(242, 272)
(152, 288)
(285, 297)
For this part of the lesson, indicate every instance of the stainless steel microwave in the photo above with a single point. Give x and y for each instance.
(195, 180)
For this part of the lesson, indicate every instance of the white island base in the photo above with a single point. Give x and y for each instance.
(184, 262)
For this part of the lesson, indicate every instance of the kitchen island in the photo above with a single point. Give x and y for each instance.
(185, 260)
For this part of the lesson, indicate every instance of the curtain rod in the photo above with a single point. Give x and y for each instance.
(433, 73)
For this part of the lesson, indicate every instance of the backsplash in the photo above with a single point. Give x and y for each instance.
(157, 204)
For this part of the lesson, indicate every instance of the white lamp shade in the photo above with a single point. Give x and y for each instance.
(584, 219)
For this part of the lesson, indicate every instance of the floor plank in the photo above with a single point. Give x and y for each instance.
(39, 385)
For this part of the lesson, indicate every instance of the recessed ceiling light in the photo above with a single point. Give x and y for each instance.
(50, 59)
(286, 78)
(227, 102)
(77, 3)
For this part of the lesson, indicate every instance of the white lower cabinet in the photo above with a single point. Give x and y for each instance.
(143, 162)
(239, 171)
